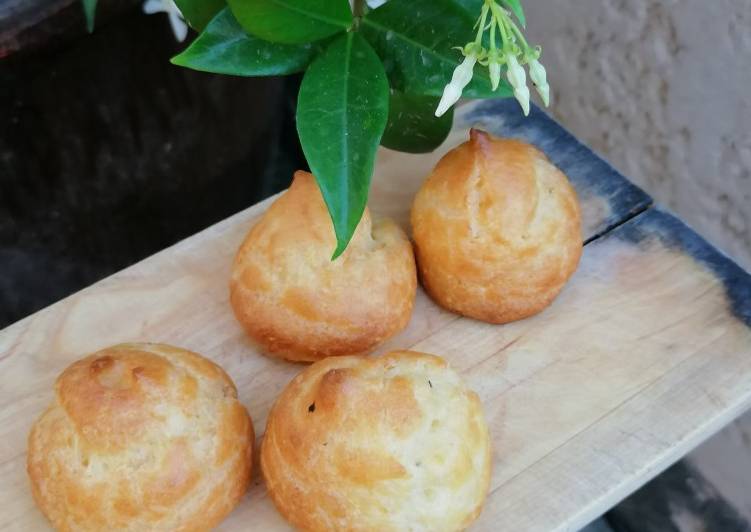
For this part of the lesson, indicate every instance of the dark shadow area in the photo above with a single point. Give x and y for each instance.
(108, 154)
(678, 500)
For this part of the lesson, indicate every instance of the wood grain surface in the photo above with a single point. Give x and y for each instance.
(646, 352)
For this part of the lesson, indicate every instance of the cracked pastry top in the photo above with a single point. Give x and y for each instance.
(298, 304)
(497, 230)
(141, 437)
(396, 442)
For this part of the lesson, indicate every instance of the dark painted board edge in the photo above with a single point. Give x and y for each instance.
(674, 234)
(589, 173)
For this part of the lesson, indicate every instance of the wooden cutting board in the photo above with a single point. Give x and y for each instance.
(646, 352)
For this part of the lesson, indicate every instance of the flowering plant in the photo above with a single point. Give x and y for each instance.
(375, 73)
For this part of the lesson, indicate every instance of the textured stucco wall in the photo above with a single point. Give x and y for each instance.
(662, 88)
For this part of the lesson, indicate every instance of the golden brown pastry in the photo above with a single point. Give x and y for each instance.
(141, 437)
(377, 443)
(497, 230)
(297, 303)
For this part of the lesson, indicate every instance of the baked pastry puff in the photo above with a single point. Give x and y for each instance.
(141, 437)
(298, 304)
(497, 230)
(385, 443)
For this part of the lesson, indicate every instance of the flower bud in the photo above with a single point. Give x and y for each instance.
(515, 73)
(522, 96)
(518, 79)
(495, 74)
(539, 77)
(453, 91)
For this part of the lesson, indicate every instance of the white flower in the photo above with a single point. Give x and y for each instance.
(176, 20)
(518, 79)
(495, 74)
(453, 91)
(539, 77)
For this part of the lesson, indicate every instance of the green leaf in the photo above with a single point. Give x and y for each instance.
(416, 40)
(199, 13)
(341, 115)
(89, 10)
(473, 7)
(412, 125)
(292, 21)
(224, 48)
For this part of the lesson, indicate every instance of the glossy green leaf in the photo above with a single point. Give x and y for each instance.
(412, 125)
(416, 40)
(472, 7)
(89, 11)
(292, 21)
(199, 13)
(341, 115)
(225, 48)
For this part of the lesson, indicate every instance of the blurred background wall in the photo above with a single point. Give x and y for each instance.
(660, 88)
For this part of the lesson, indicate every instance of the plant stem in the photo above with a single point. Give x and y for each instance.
(498, 19)
(492, 35)
(358, 8)
(504, 34)
(481, 29)
(519, 34)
